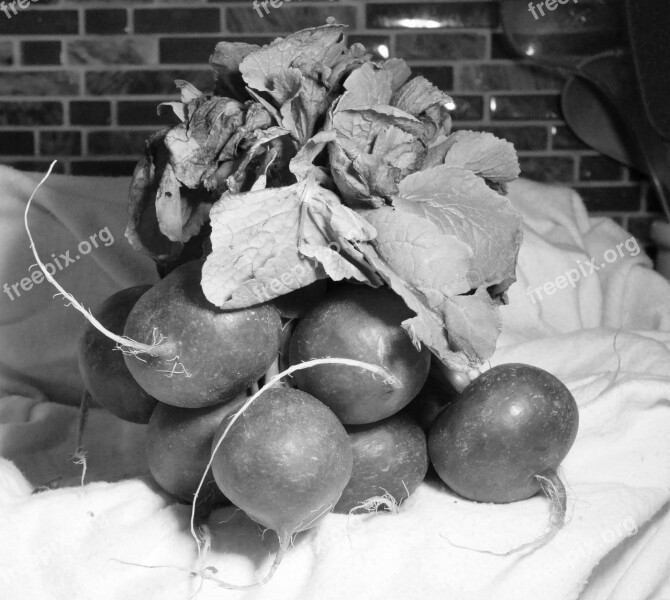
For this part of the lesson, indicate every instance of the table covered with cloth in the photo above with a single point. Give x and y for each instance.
(604, 331)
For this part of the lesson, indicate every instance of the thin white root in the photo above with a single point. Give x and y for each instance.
(79, 455)
(312, 519)
(71, 300)
(176, 369)
(208, 573)
(79, 458)
(206, 536)
(84, 405)
(554, 489)
(374, 503)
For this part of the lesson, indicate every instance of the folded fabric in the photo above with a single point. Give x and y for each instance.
(78, 225)
(607, 337)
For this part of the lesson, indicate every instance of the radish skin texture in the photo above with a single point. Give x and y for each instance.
(284, 461)
(390, 456)
(101, 364)
(361, 323)
(215, 354)
(178, 447)
(513, 423)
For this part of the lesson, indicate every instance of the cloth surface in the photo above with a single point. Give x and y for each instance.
(607, 338)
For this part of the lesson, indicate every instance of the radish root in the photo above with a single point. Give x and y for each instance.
(177, 369)
(284, 541)
(375, 502)
(83, 420)
(123, 342)
(209, 573)
(554, 489)
(79, 456)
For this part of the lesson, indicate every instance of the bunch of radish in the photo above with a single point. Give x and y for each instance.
(334, 258)
(333, 437)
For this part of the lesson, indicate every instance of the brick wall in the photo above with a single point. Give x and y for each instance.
(80, 80)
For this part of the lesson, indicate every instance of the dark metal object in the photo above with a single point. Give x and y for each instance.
(602, 101)
(649, 32)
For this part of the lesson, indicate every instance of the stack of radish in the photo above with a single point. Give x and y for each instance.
(316, 214)
(333, 437)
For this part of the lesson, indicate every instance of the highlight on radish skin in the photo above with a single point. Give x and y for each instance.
(126, 344)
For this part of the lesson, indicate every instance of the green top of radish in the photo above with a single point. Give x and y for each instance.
(311, 161)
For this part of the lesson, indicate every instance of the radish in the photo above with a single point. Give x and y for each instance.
(178, 447)
(390, 457)
(362, 323)
(285, 462)
(195, 354)
(102, 367)
(215, 354)
(504, 437)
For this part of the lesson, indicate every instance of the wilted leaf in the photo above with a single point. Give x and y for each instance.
(143, 230)
(445, 241)
(262, 243)
(195, 145)
(226, 62)
(484, 154)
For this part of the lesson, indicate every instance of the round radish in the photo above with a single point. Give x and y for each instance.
(102, 367)
(504, 437)
(284, 461)
(362, 323)
(178, 447)
(213, 354)
(390, 457)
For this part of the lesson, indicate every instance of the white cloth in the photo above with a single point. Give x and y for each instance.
(608, 340)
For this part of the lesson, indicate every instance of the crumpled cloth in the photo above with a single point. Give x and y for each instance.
(608, 339)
